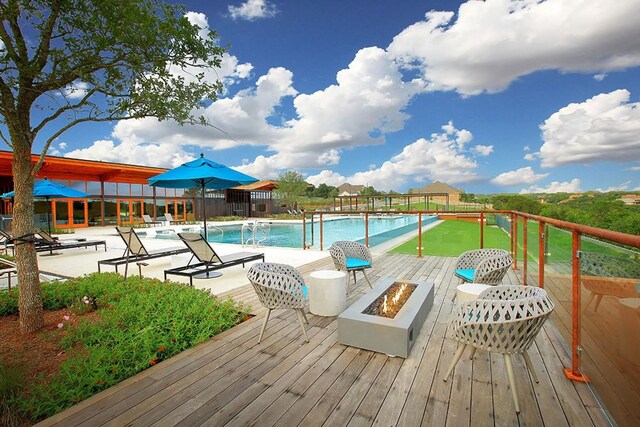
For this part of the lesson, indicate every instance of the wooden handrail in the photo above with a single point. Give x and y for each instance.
(614, 236)
(577, 230)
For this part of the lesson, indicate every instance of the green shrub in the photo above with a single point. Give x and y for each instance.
(226, 218)
(11, 383)
(8, 257)
(8, 302)
(141, 322)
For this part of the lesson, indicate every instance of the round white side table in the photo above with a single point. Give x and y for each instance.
(327, 292)
(469, 291)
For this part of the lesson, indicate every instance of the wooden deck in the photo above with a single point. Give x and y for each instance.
(232, 380)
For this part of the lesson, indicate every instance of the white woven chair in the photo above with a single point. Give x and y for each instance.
(487, 266)
(279, 286)
(504, 319)
(351, 257)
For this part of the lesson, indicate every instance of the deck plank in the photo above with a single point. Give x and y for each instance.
(233, 380)
(346, 405)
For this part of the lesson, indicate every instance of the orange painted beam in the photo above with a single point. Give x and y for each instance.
(78, 169)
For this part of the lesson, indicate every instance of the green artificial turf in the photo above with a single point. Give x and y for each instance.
(451, 238)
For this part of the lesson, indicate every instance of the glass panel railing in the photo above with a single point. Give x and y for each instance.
(503, 221)
(558, 278)
(496, 236)
(610, 333)
(532, 254)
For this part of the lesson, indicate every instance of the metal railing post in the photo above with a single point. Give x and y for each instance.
(576, 316)
(524, 251)
(420, 235)
(481, 230)
(366, 228)
(321, 242)
(514, 240)
(541, 253)
(304, 232)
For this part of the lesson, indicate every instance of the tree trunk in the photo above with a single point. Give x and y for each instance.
(30, 294)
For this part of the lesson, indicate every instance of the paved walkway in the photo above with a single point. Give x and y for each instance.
(81, 261)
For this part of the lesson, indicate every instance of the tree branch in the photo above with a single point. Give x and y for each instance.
(22, 55)
(4, 138)
(42, 54)
(6, 39)
(8, 101)
(69, 106)
(71, 124)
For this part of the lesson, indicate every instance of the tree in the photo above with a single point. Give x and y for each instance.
(66, 62)
(468, 197)
(310, 191)
(517, 203)
(291, 185)
(369, 191)
(325, 191)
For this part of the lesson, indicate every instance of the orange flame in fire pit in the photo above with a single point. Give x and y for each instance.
(394, 300)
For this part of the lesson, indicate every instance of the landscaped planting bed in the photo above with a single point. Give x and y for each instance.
(99, 330)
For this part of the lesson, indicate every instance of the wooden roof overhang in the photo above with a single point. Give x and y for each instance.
(268, 185)
(86, 170)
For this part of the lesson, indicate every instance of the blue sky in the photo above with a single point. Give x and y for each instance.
(494, 96)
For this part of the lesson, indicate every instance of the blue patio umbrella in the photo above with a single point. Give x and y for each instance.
(51, 190)
(204, 174)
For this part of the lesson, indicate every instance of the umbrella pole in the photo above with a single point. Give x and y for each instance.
(48, 214)
(204, 212)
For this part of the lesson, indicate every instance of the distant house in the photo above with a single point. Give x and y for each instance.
(440, 187)
(347, 189)
(631, 199)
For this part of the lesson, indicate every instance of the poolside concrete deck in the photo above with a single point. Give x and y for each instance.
(232, 380)
(80, 261)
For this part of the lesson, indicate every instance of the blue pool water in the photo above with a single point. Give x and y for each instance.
(381, 229)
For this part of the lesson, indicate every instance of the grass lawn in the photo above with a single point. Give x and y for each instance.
(451, 238)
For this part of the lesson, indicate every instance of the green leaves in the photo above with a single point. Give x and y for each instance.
(141, 322)
(137, 59)
(291, 185)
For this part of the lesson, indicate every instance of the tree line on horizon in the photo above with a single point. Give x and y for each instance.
(601, 210)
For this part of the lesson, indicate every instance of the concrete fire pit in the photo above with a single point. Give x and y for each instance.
(392, 336)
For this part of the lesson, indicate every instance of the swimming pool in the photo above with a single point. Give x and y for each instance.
(381, 229)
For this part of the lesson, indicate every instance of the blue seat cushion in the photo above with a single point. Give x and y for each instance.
(305, 291)
(353, 263)
(466, 274)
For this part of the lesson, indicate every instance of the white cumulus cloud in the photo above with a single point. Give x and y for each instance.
(230, 71)
(483, 150)
(489, 44)
(603, 128)
(76, 90)
(519, 177)
(327, 177)
(620, 187)
(572, 186)
(368, 99)
(252, 10)
(160, 155)
(439, 158)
